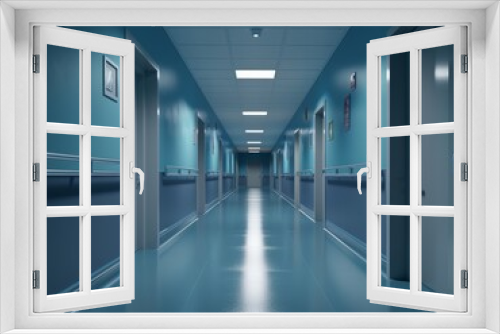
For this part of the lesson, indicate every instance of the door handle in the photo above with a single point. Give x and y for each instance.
(368, 171)
(135, 170)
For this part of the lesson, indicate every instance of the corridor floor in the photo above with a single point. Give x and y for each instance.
(252, 253)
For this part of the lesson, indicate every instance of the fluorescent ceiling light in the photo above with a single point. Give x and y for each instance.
(254, 113)
(254, 142)
(254, 131)
(255, 74)
(254, 148)
(253, 151)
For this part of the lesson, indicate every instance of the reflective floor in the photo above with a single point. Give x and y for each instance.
(252, 253)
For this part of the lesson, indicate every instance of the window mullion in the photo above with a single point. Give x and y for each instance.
(414, 170)
(86, 252)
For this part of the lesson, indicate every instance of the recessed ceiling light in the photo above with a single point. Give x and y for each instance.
(254, 113)
(254, 142)
(255, 74)
(254, 131)
(254, 148)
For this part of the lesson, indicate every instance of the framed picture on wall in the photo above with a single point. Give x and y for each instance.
(347, 112)
(110, 79)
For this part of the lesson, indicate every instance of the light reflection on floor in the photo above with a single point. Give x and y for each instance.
(252, 253)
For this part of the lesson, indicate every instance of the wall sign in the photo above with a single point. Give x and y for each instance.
(352, 82)
(110, 79)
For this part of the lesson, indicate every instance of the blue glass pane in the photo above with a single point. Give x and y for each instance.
(105, 252)
(437, 85)
(395, 89)
(105, 90)
(63, 255)
(437, 254)
(105, 188)
(437, 169)
(63, 85)
(395, 241)
(395, 171)
(63, 170)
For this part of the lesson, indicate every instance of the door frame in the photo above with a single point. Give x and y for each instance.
(201, 179)
(482, 98)
(220, 159)
(319, 156)
(296, 167)
(149, 149)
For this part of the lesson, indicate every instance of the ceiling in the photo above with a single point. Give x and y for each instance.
(298, 54)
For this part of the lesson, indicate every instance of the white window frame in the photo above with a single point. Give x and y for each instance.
(483, 102)
(414, 43)
(85, 43)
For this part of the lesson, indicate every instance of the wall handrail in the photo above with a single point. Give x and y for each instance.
(305, 172)
(169, 171)
(212, 173)
(344, 170)
(76, 158)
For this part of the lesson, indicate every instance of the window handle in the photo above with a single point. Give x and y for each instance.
(368, 171)
(135, 170)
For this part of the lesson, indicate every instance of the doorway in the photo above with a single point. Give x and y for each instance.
(319, 164)
(296, 167)
(147, 151)
(254, 169)
(200, 180)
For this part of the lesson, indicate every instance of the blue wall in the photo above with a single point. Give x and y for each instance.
(329, 90)
(348, 146)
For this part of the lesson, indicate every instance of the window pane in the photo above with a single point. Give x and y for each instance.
(395, 171)
(63, 85)
(437, 254)
(437, 85)
(437, 169)
(63, 170)
(105, 187)
(395, 89)
(105, 252)
(105, 90)
(395, 244)
(63, 255)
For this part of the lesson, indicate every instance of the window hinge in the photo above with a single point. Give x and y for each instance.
(36, 63)
(36, 172)
(465, 63)
(464, 169)
(465, 279)
(36, 279)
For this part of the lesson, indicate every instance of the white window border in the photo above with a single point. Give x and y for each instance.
(483, 102)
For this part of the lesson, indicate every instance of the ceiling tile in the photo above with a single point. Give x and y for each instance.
(297, 53)
(204, 51)
(314, 35)
(214, 74)
(302, 64)
(307, 52)
(255, 64)
(197, 35)
(253, 52)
